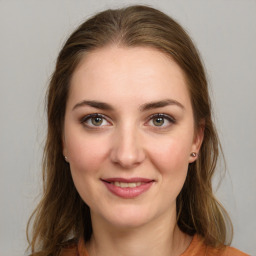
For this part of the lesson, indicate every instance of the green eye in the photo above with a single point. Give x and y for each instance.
(161, 120)
(158, 121)
(97, 121)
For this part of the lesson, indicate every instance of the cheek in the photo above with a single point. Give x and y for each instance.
(171, 156)
(86, 156)
(171, 161)
(86, 153)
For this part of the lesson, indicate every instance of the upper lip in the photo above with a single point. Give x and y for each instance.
(129, 180)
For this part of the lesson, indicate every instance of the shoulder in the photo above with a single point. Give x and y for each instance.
(69, 248)
(226, 251)
(73, 247)
(230, 251)
(198, 248)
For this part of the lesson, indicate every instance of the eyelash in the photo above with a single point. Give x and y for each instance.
(90, 117)
(169, 118)
(86, 118)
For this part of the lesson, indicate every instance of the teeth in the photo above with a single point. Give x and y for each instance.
(126, 185)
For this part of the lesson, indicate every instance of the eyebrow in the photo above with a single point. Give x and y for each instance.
(144, 107)
(160, 104)
(94, 104)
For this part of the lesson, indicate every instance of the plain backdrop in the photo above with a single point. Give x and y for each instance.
(31, 35)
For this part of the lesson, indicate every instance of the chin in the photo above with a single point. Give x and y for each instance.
(129, 217)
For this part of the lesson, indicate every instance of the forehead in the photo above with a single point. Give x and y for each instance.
(128, 74)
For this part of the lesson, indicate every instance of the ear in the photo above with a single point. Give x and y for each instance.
(197, 141)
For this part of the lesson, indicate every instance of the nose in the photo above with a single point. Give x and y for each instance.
(127, 150)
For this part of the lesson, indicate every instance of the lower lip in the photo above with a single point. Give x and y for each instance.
(128, 192)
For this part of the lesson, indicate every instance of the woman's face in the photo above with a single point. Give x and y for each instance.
(128, 134)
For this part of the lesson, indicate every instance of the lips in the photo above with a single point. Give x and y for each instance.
(127, 188)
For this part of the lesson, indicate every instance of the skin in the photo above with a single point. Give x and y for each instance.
(128, 142)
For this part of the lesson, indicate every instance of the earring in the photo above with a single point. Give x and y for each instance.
(66, 159)
(193, 154)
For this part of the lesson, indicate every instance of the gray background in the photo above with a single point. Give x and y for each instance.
(31, 34)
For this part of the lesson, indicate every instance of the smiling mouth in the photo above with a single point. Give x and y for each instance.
(126, 184)
(127, 188)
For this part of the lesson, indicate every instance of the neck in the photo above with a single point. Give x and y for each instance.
(160, 237)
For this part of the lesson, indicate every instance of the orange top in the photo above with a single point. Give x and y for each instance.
(196, 248)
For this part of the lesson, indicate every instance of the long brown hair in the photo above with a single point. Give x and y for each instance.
(62, 214)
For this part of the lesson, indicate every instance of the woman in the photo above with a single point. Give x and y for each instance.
(131, 146)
